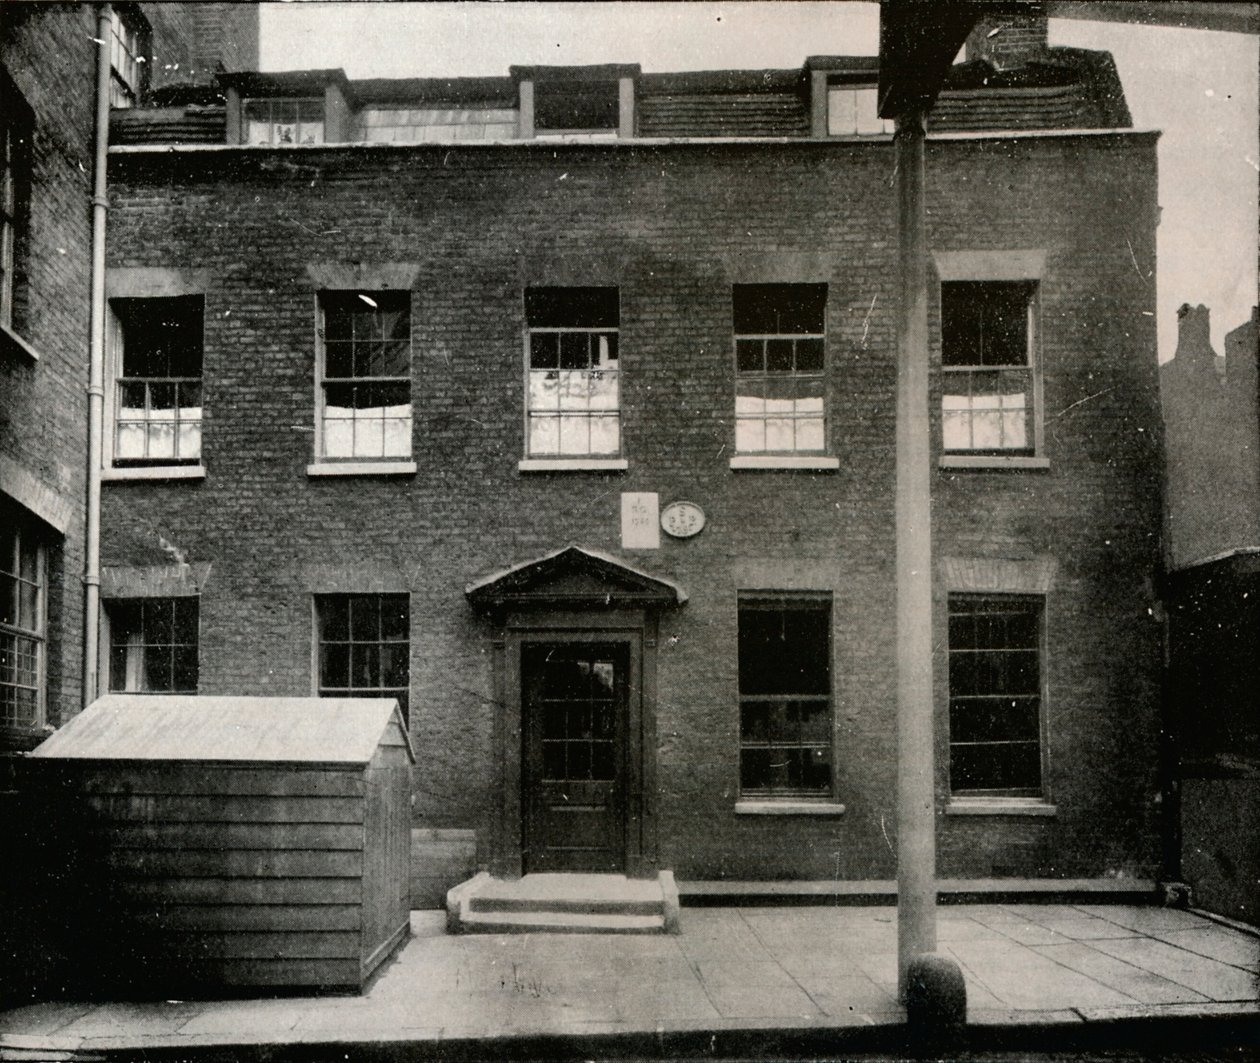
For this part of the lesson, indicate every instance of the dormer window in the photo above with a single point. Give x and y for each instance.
(283, 121)
(582, 107)
(854, 110)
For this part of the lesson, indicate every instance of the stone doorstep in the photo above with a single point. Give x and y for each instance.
(564, 903)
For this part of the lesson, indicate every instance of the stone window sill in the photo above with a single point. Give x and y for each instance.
(154, 472)
(572, 465)
(362, 468)
(788, 808)
(807, 463)
(1000, 806)
(991, 461)
(10, 340)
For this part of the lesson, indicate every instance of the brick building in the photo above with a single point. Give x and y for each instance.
(561, 407)
(1211, 407)
(48, 59)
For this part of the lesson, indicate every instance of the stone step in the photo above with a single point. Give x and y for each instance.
(569, 905)
(521, 922)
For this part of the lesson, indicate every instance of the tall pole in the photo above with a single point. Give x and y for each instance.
(916, 825)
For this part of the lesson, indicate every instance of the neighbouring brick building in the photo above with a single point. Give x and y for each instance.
(48, 56)
(1211, 407)
(561, 407)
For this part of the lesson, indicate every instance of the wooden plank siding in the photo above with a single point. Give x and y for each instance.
(195, 875)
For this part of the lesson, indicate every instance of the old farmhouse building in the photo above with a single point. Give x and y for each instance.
(560, 407)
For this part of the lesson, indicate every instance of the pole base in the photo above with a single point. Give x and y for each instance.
(936, 998)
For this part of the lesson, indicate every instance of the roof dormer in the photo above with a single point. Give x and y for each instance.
(576, 102)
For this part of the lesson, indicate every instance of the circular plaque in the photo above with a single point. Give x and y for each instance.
(682, 520)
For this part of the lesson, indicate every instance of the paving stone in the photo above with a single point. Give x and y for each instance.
(246, 1016)
(36, 1019)
(723, 973)
(843, 997)
(1135, 982)
(1022, 978)
(1219, 981)
(116, 1020)
(1145, 920)
(1216, 942)
(762, 1002)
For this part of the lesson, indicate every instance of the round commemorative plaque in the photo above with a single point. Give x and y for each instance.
(682, 520)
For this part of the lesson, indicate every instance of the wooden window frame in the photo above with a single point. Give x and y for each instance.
(129, 56)
(37, 634)
(319, 606)
(353, 462)
(768, 601)
(135, 651)
(1039, 794)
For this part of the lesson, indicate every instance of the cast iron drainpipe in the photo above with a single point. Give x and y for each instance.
(96, 365)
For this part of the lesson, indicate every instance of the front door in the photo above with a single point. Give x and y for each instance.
(574, 699)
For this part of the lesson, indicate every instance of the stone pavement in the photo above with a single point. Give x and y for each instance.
(747, 969)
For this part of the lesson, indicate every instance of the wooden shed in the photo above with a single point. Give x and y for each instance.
(203, 843)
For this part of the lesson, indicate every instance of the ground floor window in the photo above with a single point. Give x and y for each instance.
(23, 586)
(995, 650)
(364, 646)
(153, 645)
(785, 732)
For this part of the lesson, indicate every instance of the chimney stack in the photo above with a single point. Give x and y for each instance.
(1007, 41)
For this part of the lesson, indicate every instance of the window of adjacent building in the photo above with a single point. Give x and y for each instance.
(995, 694)
(23, 586)
(157, 349)
(987, 400)
(153, 645)
(785, 730)
(126, 57)
(283, 121)
(780, 348)
(364, 646)
(365, 375)
(576, 107)
(15, 141)
(854, 109)
(574, 387)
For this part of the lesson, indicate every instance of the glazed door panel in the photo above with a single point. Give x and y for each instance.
(574, 700)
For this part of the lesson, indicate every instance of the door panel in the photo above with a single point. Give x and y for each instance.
(574, 700)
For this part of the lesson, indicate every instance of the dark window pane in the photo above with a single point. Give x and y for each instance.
(602, 761)
(544, 350)
(572, 307)
(784, 651)
(8, 599)
(339, 360)
(157, 668)
(779, 356)
(394, 618)
(576, 105)
(117, 666)
(574, 350)
(553, 760)
(555, 721)
(185, 669)
(365, 665)
(334, 616)
(779, 309)
(334, 665)
(750, 355)
(993, 720)
(185, 610)
(158, 621)
(985, 322)
(395, 664)
(364, 618)
(996, 767)
(809, 355)
(579, 760)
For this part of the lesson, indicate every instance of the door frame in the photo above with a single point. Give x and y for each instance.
(637, 629)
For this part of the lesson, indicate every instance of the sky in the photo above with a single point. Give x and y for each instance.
(1198, 87)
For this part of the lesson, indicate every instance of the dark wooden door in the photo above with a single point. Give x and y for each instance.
(574, 697)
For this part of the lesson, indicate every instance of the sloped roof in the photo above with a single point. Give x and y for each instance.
(577, 575)
(182, 727)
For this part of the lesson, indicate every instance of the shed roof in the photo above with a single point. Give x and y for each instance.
(333, 731)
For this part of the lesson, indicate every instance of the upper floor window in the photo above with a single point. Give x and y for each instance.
(156, 350)
(365, 375)
(854, 109)
(153, 645)
(283, 121)
(588, 107)
(989, 388)
(785, 728)
(126, 57)
(995, 695)
(780, 347)
(16, 125)
(364, 644)
(23, 588)
(574, 389)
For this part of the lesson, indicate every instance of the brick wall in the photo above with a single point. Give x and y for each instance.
(43, 438)
(673, 227)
